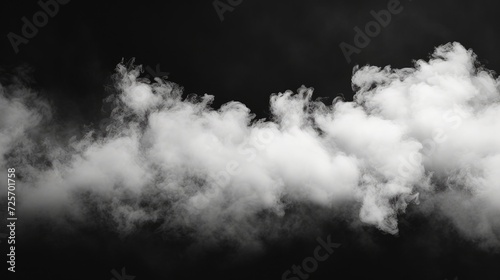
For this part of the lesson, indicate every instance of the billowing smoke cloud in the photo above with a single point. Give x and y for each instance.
(428, 135)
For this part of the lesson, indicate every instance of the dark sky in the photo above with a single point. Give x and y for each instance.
(260, 48)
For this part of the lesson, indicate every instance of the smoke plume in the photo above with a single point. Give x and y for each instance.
(426, 136)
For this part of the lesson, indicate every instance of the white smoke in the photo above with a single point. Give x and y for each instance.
(428, 133)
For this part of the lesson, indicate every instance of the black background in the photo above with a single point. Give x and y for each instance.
(260, 48)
